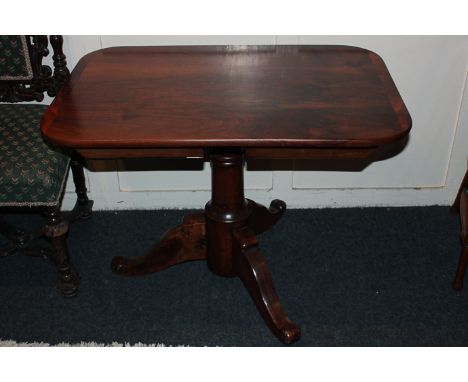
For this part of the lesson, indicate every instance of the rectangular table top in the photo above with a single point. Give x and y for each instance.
(211, 96)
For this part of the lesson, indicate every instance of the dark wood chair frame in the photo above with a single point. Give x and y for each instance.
(461, 206)
(57, 223)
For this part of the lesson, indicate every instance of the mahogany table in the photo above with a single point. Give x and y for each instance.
(227, 104)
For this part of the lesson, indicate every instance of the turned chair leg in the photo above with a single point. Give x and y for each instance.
(80, 183)
(56, 230)
(83, 206)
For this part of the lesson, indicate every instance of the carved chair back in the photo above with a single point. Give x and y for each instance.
(23, 77)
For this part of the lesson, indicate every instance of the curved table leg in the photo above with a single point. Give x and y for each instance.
(255, 275)
(262, 218)
(457, 283)
(183, 243)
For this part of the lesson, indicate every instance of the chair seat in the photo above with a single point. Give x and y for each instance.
(32, 173)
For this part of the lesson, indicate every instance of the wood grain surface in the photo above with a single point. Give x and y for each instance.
(212, 96)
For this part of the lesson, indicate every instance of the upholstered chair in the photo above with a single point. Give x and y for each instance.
(33, 173)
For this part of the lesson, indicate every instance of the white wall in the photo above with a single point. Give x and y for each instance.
(430, 73)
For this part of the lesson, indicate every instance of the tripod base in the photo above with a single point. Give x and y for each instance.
(225, 236)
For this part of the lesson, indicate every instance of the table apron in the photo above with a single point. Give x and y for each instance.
(249, 153)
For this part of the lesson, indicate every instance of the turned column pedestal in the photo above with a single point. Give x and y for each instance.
(224, 236)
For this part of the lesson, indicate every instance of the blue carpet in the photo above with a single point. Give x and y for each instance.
(347, 277)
